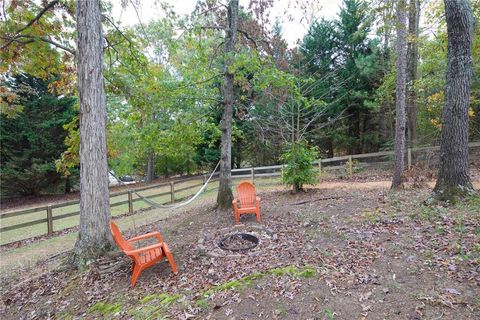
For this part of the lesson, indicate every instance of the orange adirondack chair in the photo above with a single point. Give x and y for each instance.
(246, 202)
(145, 257)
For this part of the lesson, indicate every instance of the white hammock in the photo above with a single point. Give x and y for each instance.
(170, 206)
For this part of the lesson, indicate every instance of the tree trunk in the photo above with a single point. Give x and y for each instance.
(225, 195)
(94, 237)
(150, 168)
(412, 70)
(68, 185)
(329, 146)
(453, 176)
(238, 154)
(400, 96)
(166, 174)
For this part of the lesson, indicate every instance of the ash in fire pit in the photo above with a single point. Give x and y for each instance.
(238, 242)
(235, 241)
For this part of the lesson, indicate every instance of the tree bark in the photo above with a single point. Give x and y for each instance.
(453, 177)
(225, 195)
(412, 70)
(94, 236)
(150, 168)
(166, 174)
(400, 95)
(238, 154)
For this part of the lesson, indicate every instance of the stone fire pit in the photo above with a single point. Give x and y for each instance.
(238, 242)
(235, 241)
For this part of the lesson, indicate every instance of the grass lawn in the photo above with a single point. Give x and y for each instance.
(68, 222)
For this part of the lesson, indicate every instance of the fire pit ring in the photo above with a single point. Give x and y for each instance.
(246, 242)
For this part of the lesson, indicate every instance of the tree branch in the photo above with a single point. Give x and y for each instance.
(30, 23)
(44, 39)
(38, 16)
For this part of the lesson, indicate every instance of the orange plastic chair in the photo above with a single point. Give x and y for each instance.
(246, 201)
(145, 257)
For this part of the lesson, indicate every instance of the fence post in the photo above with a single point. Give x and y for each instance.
(172, 191)
(130, 202)
(253, 174)
(409, 158)
(49, 221)
(350, 166)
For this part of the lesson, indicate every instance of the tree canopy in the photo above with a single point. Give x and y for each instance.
(333, 90)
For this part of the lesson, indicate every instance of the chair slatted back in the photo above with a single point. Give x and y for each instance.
(246, 194)
(119, 239)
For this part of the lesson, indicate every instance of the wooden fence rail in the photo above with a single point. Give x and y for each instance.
(346, 163)
(48, 209)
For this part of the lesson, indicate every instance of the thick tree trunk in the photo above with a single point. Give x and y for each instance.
(225, 195)
(412, 70)
(94, 236)
(453, 176)
(400, 95)
(150, 168)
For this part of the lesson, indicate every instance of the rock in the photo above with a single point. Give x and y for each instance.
(214, 254)
(411, 258)
(209, 236)
(224, 230)
(453, 291)
(269, 231)
(452, 267)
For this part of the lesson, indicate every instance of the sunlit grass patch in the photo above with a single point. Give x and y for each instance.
(105, 308)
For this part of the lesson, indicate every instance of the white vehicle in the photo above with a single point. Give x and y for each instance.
(112, 181)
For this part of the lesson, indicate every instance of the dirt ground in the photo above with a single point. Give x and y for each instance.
(354, 251)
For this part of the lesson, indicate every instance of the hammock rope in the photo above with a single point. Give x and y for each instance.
(166, 206)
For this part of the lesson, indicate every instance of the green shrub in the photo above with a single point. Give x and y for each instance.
(299, 169)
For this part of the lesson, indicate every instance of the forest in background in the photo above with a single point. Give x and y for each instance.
(332, 94)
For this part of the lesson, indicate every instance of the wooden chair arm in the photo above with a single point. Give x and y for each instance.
(155, 234)
(144, 249)
(235, 203)
(258, 199)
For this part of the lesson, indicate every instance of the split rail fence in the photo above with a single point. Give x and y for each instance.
(172, 191)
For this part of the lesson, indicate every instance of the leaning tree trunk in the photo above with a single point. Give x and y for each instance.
(400, 96)
(453, 176)
(412, 70)
(94, 237)
(225, 195)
